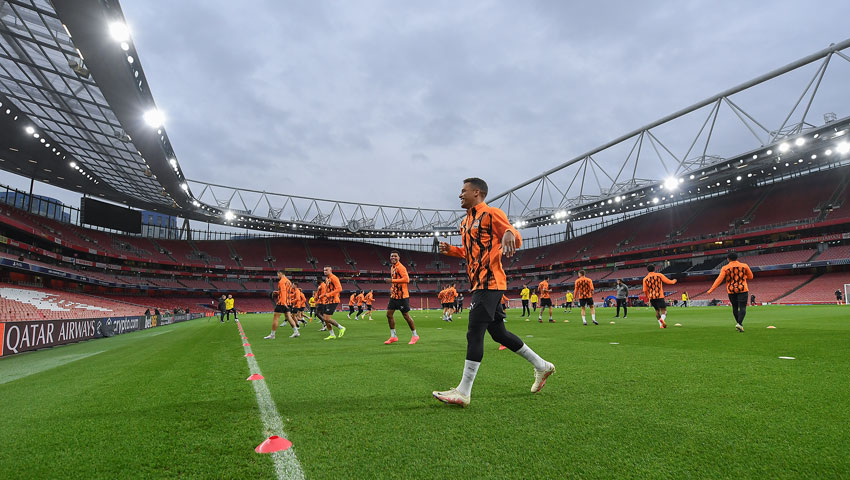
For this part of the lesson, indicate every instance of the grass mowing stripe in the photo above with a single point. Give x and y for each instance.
(40, 365)
(285, 463)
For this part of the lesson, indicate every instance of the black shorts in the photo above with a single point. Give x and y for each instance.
(486, 306)
(525, 303)
(585, 302)
(281, 309)
(545, 302)
(739, 298)
(448, 305)
(658, 303)
(330, 308)
(402, 304)
(369, 307)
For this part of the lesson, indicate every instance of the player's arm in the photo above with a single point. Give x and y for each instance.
(667, 280)
(452, 251)
(591, 285)
(502, 228)
(717, 281)
(645, 291)
(749, 274)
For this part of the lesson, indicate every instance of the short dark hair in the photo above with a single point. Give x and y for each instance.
(396, 252)
(582, 272)
(732, 256)
(650, 268)
(479, 184)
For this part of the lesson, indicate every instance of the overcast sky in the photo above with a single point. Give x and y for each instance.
(396, 102)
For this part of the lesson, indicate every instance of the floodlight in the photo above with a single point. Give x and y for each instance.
(196, 203)
(228, 215)
(843, 148)
(184, 186)
(30, 130)
(119, 31)
(153, 118)
(671, 183)
(800, 142)
(783, 147)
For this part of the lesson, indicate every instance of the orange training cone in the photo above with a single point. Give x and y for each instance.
(255, 376)
(771, 326)
(273, 444)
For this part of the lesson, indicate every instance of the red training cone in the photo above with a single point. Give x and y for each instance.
(255, 376)
(249, 354)
(246, 344)
(273, 444)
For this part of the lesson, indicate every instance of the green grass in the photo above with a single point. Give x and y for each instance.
(697, 401)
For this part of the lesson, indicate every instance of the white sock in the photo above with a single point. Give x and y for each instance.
(535, 359)
(583, 319)
(593, 316)
(271, 334)
(392, 332)
(414, 334)
(663, 316)
(295, 329)
(470, 369)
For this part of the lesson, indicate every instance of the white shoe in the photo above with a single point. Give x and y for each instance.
(739, 327)
(323, 329)
(540, 377)
(295, 335)
(269, 337)
(452, 397)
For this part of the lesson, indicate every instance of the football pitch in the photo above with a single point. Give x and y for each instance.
(627, 400)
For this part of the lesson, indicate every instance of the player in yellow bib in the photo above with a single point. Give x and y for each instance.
(569, 306)
(523, 295)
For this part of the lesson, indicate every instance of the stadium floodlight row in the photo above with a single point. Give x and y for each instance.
(77, 112)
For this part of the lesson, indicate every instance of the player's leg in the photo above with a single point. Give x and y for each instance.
(662, 315)
(290, 318)
(625, 308)
(479, 320)
(275, 322)
(391, 322)
(330, 322)
(593, 312)
(414, 337)
(619, 302)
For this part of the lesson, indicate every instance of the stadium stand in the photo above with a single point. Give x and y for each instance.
(253, 252)
(27, 303)
(820, 289)
(779, 258)
(288, 253)
(837, 252)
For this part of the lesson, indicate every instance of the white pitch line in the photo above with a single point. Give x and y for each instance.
(286, 464)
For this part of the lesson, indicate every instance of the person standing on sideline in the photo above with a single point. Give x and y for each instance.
(622, 298)
(654, 291)
(735, 274)
(523, 295)
(533, 302)
(486, 235)
(569, 306)
(399, 299)
(222, 307)
(685, 299)
(230, 305)
(545, 299)
(584, 292)
(838, 297)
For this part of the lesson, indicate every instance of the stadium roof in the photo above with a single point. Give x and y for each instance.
(77, 113)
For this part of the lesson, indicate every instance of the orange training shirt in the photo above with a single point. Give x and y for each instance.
(283, 285)
(481, 234)
(653, 285)
(735, 274)
(398, 272)
(334, 289)
(543, 289)
(584, 287)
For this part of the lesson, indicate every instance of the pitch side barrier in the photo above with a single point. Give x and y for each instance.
(19, 337)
